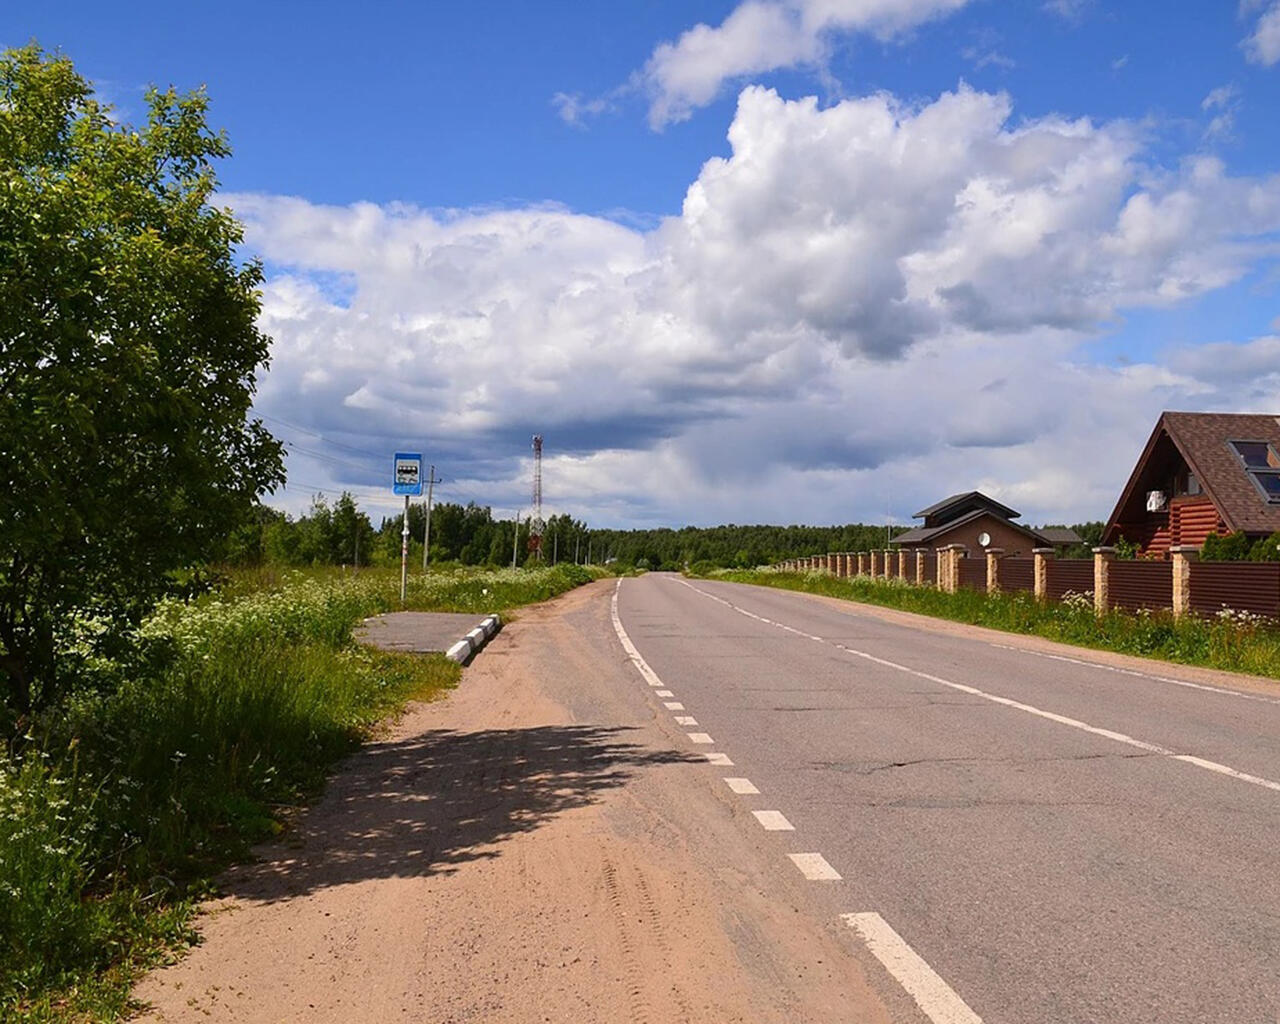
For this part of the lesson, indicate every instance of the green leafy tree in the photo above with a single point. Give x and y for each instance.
(129, 354)
(1234, 547)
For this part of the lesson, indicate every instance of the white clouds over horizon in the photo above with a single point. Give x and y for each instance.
(863, 306)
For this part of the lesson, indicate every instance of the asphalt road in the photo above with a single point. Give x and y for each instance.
(1058, 841)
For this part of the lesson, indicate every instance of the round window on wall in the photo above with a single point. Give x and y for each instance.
(984, 539)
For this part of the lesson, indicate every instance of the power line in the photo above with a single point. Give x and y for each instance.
(322, 437)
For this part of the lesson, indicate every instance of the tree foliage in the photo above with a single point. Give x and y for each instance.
(128, 355)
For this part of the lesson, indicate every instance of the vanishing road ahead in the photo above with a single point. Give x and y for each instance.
(665, 800)
(1025, 837)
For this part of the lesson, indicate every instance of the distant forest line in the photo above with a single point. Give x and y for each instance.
(341, 534)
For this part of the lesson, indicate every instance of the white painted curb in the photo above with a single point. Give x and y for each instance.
(474, 640)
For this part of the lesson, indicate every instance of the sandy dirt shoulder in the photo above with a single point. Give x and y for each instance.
(532, 848)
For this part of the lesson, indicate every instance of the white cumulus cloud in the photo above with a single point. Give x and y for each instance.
(861, 307)
(1263, 45)
(764, 35)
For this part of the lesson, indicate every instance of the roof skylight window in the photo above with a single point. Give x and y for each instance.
(1263, 466)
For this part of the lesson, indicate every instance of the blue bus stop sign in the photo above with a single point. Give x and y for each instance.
(407, 478)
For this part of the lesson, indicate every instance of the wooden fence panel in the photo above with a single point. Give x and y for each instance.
(1244, 586)
(1134, 585)
(1069, 574)
(1017, 574)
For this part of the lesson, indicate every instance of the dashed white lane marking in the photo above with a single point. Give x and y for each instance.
(933, 995)
(1221, 691)
(700, 737)
(743, 787)
(773, 821)
(663, 693)
(1052, 716)
(719, 759)
(814, 867)
(686, 720)
(673, 705)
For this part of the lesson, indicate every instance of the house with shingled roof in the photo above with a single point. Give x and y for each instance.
(1201, 473)
(979, 522)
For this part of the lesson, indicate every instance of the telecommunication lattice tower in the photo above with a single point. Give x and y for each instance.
(536, 523)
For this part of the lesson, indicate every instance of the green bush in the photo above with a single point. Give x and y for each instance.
(1234, 547)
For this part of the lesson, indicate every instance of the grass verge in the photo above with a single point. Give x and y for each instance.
(117, 811)
(1233, 641)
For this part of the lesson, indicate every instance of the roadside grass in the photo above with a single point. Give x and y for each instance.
(1233, 641)
(117, 811)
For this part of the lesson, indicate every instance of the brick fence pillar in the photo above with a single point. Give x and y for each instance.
(862, 563)
(1102, 559)
(920, 557)
(950, 555)
(831, 563)
(993, 569)
(887, 563)
(1183, 555)
(902, 563)
(1042, 558)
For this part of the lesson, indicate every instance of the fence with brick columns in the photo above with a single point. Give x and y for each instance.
(1184, 584)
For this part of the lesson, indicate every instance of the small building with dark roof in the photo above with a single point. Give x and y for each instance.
(979, 522)
(1201, 473)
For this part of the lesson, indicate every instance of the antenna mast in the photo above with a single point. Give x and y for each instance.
(536, 522)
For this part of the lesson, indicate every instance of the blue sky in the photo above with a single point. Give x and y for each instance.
(617, 225)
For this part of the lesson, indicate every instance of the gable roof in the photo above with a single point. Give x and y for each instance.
(966, 498)
(921, 534)
(1201, 439)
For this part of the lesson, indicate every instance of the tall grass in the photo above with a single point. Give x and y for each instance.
(116, 811)
(1233, 641)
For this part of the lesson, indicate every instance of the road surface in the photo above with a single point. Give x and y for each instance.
(1057, 841)
(686, 800)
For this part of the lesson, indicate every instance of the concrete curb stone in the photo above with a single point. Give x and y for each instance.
(474, 641)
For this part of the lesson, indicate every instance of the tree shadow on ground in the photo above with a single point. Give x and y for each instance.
(430, 803)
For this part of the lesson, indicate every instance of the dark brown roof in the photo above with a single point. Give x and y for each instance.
(1202, 440)
(1060, 535)
(976, 498)
(921, 534)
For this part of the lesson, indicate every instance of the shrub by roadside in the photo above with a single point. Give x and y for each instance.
(117, 809)
(1234, 641)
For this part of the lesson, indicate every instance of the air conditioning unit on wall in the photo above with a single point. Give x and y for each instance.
(1156, 501)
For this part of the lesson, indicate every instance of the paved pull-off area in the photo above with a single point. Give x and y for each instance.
(669, 800)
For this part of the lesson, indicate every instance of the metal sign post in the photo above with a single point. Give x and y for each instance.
(406, 479)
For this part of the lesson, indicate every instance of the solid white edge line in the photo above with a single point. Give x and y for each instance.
(814, 867)
(641, 665)
(934, 996)
(1031, 709)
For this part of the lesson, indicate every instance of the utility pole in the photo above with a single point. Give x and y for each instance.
(515, 541)
(426, 532)
(588, 551)
(577, 543)
(555, 548)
